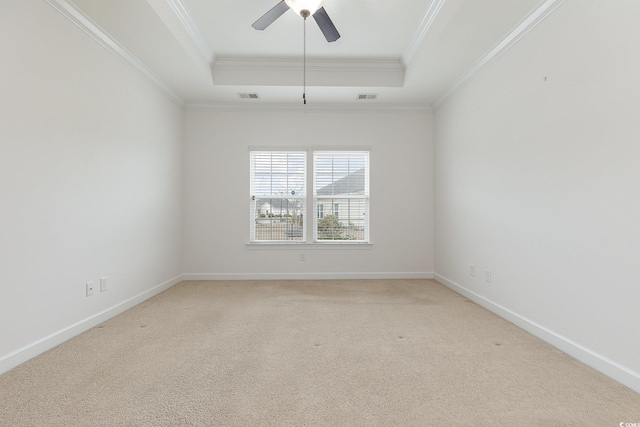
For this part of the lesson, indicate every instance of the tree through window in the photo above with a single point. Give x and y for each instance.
(341, 181)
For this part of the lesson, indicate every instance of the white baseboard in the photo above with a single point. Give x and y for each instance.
(32, 350)
(306, 276)
(607, 366)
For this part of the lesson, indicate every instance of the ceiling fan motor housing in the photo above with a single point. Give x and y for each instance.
(304, 8)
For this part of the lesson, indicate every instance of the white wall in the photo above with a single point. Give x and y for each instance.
(537, 180)
(91, 181)
(217, 192)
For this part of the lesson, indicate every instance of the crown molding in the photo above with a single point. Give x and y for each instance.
(235, 107)
(428, 20)
(540, 13)
(320, 72)
(287, 64)
(192, 29)
(75, 15)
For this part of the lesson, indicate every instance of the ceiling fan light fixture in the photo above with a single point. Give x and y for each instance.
(300, 5)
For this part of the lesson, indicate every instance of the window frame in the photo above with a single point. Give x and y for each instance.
(362, 201)
(309, 212)
(283, 195)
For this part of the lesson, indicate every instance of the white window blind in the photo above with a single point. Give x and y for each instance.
(278, 196)
(341, 180)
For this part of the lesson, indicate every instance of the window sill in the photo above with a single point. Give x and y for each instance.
(310, 245)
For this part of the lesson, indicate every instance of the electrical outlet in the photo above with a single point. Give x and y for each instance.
(472, 270)
(303, 257)
(103, 284)
(89, 289)
(487, 276)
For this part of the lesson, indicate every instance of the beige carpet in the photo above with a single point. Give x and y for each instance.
(325, 353)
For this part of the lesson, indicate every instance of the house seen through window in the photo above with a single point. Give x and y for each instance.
(338, 199)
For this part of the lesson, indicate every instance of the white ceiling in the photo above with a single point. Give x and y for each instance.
(409, 52)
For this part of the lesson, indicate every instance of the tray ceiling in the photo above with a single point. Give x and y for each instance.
(408, 52)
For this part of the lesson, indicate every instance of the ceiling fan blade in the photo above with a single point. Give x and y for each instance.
(273, 14)
(326, 25)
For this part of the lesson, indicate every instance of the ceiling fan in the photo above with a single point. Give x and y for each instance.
(304, 8)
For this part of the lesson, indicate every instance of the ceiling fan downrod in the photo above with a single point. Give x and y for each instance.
(304, 8)
(305, 14)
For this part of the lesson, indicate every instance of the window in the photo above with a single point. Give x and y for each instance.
(339, 201)
(341, 179)
(278, 195)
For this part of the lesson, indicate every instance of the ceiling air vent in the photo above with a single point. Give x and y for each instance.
(248, 95)
(367, 96)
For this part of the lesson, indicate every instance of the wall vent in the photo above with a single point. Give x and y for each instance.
(367, 96)
(248, 95)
